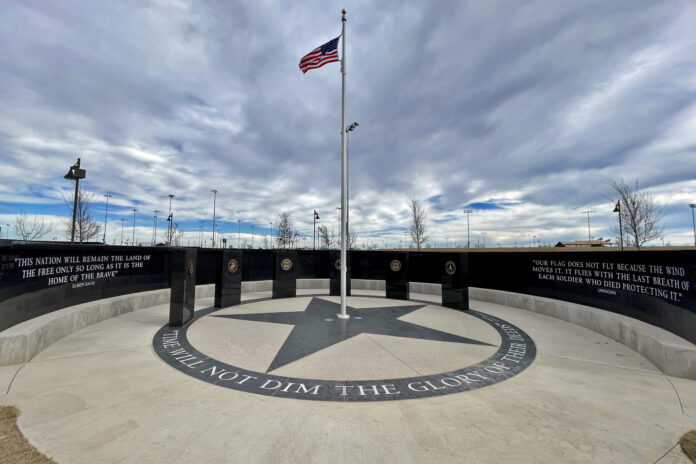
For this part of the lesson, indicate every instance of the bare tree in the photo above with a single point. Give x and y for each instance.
(85, 226)
(327, 237)
(31, 230)
(286, 233)
(352, 239)
(640, 213)
(419, 221)
(177, 235)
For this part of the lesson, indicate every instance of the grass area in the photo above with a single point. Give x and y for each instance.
(688, 445)
(14, 448)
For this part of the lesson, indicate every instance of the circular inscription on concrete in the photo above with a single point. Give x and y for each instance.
(232, 266)
(191, 268)
(395, 265)
(515, 353)
(286, 264)
(450, 267)
(338, 264)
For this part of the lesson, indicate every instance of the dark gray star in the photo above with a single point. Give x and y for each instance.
(317, 328)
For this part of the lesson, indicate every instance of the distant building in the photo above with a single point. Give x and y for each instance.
(600, 242)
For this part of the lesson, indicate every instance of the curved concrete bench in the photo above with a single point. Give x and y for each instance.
(20, 343)
(670, 353)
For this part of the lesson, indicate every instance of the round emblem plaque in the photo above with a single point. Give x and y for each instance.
(286, 264)
(395, 265)
(338, 264)
(232, 266)
(191, 268)
(450, 267)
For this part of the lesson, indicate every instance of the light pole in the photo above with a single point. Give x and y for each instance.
(154, 228)
(214, 192)
(534, 240)
(252, 236)
(200, 234)
(316, 216)
(170, 220)
(271, 234)
(467, 212)
(340, 225)
(134, 211)
(693, 205)
(589, 235)
(106, 215)
(350, 128)
(484, 240)
(122, 221)
(617, 209)
(75, 173)
(8, 230)
(239, 233)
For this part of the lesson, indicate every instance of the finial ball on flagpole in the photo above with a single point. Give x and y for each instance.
(343, 11)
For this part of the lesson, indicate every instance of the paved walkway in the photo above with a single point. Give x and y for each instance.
(104, 395)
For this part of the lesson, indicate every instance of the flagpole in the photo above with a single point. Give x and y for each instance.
(344, 173)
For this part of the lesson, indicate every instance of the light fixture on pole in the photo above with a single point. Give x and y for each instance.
(693, 205)
(214, 192)
(467, 212)
(169, 219)
(134, 211)
(170, 228)
(106, 215)
(200, 234)
(617, 209)
(589, 235)
(154, 227)
(350, 128)
(316, 216)
(75, 173)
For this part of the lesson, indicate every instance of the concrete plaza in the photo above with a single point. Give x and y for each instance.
(102, 395)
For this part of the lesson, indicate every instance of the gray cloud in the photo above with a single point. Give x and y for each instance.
(533, 106)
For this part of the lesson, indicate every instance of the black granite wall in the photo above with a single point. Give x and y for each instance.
(38, 279)
(654, 286)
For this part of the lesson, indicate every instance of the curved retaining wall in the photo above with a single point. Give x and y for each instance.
(656, 287)
(671, 354)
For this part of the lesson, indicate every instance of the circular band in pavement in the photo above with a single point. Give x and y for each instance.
(315, 329)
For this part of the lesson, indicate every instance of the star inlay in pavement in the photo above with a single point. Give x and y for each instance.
(317, 327)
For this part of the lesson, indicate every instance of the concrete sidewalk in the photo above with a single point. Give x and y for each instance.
(102, 395)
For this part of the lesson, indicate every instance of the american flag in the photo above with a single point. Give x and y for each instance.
(327, 53)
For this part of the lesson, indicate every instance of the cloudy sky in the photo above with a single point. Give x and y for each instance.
(521, 111)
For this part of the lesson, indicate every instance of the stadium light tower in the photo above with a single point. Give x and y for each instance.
(467, 212)
(693, 205)
(214, 192)
(106, 215)
(589, 235)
